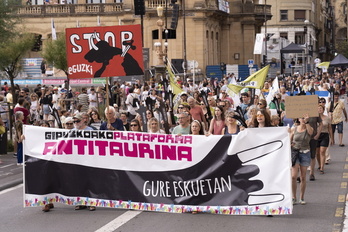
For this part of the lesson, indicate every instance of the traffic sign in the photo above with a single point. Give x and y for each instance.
(251, 63)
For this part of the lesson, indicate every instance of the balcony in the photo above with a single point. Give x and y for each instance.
(263, 11)
(70, 9)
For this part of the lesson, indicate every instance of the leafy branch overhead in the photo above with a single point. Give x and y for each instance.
(55, 53)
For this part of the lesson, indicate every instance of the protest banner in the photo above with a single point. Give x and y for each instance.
(230, 174)
(298, 106)
(104, 51)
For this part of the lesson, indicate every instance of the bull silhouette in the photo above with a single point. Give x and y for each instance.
(102, 53)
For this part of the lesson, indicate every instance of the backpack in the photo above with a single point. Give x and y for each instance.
(135, 102)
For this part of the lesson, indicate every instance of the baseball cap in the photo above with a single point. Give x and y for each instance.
(68, 119)
(78, 116)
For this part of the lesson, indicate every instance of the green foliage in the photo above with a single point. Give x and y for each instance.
(342, 48)
(8, 18)
(12, 51)
(55, 53)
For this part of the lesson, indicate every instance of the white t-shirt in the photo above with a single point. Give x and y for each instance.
(92, 100)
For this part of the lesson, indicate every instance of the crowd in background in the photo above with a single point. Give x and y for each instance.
(205, 108)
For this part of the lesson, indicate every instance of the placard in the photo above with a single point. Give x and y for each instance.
(104, 51)
(298, 106)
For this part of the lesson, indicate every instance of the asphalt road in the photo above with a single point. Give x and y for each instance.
(324, 212)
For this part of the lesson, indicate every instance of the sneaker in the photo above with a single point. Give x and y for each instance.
(312, 178)
(294, 201)
(302, 202)
(298, 180)
(14, 155)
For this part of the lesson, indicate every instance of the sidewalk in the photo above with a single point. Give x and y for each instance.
(10, 174)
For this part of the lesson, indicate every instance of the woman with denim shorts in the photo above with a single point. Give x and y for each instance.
(300, 137)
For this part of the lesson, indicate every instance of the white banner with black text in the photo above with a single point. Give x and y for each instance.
(246, 174)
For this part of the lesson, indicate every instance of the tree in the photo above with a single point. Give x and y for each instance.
(55, 53)
(11, 52)
(8, 19)
(342, 48)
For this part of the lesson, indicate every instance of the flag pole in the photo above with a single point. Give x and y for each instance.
(107, 98)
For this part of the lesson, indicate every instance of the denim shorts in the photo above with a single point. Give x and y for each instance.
(339, 127)
(304, 159)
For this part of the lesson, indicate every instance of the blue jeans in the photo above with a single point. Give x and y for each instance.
(19, 153)
(339, 128)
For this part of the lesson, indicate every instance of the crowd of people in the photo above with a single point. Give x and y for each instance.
(205, 108)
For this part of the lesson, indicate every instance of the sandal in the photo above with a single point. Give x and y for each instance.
(321, 171)
(79, 207)
(47, 207)
(92, 208)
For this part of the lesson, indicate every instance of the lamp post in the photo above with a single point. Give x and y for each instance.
(307, 41)
(160, 47)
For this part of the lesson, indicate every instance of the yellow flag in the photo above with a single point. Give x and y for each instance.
(324, 65)
(175, 87)
(235, 88)
(257, 79)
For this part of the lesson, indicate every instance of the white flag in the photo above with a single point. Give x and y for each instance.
(274, 89)
(54, 34)
(259, 41)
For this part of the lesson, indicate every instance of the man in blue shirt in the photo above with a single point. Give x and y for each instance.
(112, 122)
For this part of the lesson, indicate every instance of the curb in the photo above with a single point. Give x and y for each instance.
(11, 184)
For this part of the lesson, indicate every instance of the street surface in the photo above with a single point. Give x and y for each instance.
(324, 212)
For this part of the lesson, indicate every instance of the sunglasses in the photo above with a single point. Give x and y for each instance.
(93, 114)
(132, 125)
(260, 116)
(77, 121)
(180, 107)
(322, 102)
(69, 123)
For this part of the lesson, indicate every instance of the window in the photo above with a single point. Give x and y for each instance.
(283, 35)
(300, 38)
(283, 15)
(95, 1)
(300, 15)
(171, 34)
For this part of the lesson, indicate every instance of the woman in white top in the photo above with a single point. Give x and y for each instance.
(34, 107)
(153, 126)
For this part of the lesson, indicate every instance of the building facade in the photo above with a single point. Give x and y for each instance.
(307, 23)
(207, 31)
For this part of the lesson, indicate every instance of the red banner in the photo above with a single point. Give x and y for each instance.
(104, 51)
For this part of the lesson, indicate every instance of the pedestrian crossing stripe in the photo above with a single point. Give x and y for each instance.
(341, 198)
(343, 185)
(346, 166)
(339, 212)
(345, 175)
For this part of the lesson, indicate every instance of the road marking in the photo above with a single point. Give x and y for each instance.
(339, 212)
(345, 175)
(346, 166)
(341, 198)
(119, 221)
(343, 185)
(5, 166)
(10, 189)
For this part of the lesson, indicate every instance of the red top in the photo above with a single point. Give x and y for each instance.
(25, 112)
